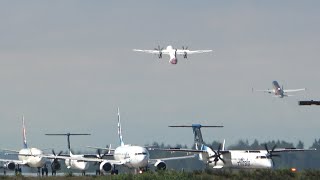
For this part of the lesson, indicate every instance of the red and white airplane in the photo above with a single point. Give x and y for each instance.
(280, 92)
(172, 52)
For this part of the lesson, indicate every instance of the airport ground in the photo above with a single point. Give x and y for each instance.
(207, 174)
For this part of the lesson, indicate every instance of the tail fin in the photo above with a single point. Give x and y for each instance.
(223, 145)
(25, 145)
(198, 140)
(68, 138)
(119, 129)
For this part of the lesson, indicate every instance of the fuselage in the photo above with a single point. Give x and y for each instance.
(134, 156)
(76, 164)
(32, 157)
(277, 89)
(247, 159)
(173, 55)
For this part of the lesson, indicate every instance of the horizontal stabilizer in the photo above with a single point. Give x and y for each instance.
(195, 125)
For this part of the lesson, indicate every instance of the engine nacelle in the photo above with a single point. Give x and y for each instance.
(105, 166)
(160, 165)
(10, 165)
(55, 165)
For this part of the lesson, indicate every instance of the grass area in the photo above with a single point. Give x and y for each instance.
(203, 175)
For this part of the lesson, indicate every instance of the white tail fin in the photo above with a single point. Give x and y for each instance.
(109, 151)
(119, 129)
(25, 145)
(223, 145)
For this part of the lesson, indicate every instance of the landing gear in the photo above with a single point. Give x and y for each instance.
(114, 171)
(83, 173)
(38, 173)
(44, 170)
(98, 172)
(17, 171)
(54, 172)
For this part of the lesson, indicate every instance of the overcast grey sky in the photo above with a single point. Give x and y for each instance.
(67, 65)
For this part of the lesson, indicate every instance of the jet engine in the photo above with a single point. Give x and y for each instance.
(160, 165)
(10, 165)
(55, 165)
(105, 166)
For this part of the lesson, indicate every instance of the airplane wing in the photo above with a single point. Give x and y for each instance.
(84, 159)
(293, 90)
(14, 161)
(266, 91)
(153, 161)
(10, 150)
(188, 150)
(183, 51)
(292, 150)
(151, 51)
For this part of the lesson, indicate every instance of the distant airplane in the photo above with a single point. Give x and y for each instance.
(248, 159)
(70, 163)
(172, 52)
(280, 92)
(134, 157)
(31, 157)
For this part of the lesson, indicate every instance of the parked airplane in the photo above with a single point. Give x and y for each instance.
(31, 157)
(222, 158)
(280, 92)
(70, 163)
(172, 52)
(134, 157)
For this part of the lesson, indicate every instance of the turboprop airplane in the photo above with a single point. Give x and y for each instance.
(280, 92)
(31, 157)
(172, 52)
(133, 157)
(221, 158)
(71, 163)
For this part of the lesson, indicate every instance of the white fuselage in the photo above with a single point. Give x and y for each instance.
(76, 164)
(172, 53)
(32, 157)
(247, 159)
(134, 156)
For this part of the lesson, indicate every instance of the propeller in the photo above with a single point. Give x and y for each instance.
(270, 153)
(160, 51)
(217, 155)
(185, 54)
(55, 153)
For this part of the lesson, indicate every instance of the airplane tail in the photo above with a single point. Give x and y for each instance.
(198, 140)
(119, 129)
(68, 138)
(25, 145)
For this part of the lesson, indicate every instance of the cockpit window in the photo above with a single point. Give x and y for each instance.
(143, 153)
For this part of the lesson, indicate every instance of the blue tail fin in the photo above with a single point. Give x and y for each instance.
(25, 145)
(119, 129)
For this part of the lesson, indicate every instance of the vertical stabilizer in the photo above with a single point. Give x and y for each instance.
(25, 145)
(198, 140)
(119, 129)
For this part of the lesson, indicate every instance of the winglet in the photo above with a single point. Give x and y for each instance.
(119, 129)
(25, 145)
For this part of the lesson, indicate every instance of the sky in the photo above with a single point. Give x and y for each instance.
(67, 65)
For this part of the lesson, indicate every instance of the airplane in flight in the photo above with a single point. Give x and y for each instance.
(71, 163)
(131, 156)
(221, 158)
(280, 91)
(172, 52)
(29, 156)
